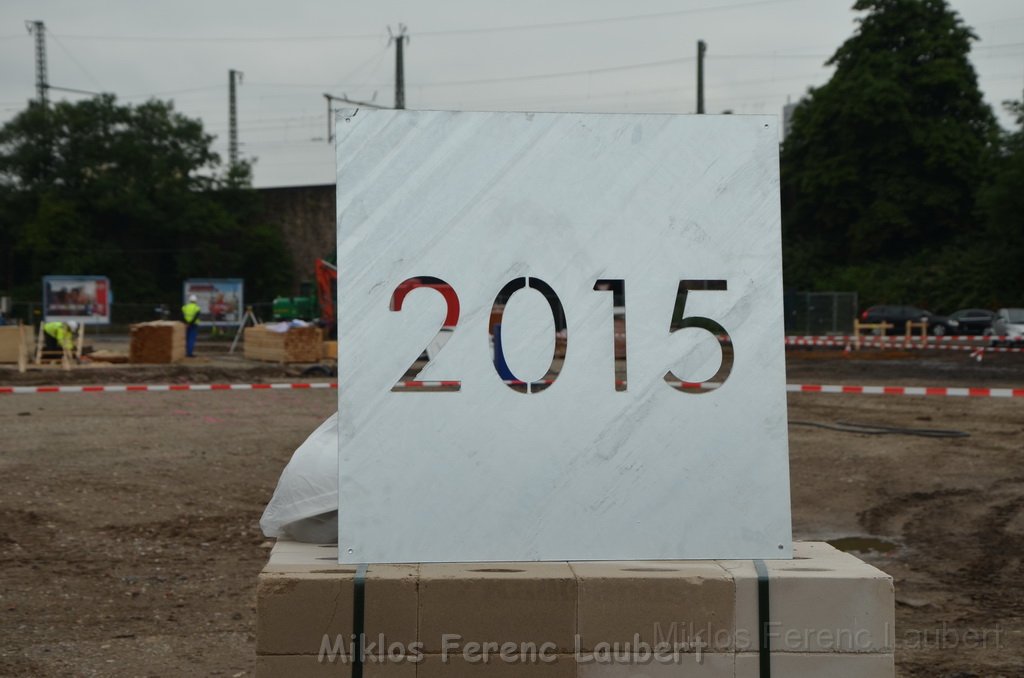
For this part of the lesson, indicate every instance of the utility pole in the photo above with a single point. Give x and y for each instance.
(702, 47)
(344, 100)
(38, 28)
(233, 77)
(399, 65)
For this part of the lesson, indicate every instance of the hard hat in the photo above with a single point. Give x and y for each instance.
(193, 298)
(73, 325)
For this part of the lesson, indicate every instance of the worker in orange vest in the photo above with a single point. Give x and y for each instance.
(190, 313)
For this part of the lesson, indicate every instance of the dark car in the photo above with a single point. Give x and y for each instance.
(973, 321)
(898, 316)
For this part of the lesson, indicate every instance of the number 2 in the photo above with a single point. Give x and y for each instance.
(441, 338)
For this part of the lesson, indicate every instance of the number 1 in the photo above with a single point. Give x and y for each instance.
(617, 286)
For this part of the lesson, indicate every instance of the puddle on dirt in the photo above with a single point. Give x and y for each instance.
(864, 545)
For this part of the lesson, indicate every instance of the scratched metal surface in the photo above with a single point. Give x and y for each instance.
(578, 471)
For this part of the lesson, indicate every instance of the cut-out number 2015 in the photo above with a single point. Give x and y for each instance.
(679, 321)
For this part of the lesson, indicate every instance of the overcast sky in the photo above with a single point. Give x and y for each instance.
(542, 55)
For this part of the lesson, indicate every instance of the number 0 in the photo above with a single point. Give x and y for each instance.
(500, 366)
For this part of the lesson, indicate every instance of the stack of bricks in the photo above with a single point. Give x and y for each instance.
(160, 342)
(830, 616)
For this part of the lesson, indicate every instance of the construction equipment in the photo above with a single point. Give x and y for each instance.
(320, 308)
(303, 307)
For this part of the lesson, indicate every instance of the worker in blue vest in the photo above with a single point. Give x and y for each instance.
(190, 313)
(58, 336)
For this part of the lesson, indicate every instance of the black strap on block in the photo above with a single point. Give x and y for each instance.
(764, 647)
(358, 619)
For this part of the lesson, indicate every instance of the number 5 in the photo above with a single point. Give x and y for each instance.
(680, 322)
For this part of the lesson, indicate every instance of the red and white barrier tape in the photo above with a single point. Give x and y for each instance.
(150, 388)
(898, 344)
(902, 337)
(953, 391)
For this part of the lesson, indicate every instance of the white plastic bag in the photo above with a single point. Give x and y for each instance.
(305, 504)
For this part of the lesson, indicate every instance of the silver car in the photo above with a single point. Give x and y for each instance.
(1008, 325)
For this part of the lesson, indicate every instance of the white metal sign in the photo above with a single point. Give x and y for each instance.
(560, 228)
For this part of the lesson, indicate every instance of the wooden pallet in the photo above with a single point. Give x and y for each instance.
(15, 344)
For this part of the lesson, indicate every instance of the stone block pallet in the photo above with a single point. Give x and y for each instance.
(830, 615)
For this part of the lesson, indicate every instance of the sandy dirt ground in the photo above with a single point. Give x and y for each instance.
(129, 538)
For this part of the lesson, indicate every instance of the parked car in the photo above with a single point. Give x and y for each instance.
(1009, 325)
(973, 321)
(898, 316)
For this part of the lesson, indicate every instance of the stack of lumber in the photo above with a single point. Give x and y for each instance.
(105, 356)
(16, 341)
(297, 345)
(160, 341)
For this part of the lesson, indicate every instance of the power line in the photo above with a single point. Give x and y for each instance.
(1002, 45)
(580, 97)
(173, 91)
(562, 74)
(483, 81)
(375, 58)
(591, 22)
(187, 39)
(771, 55)
(262, 122)
(76, 62)
(74, 91)
(435, 33)
(1000, 22)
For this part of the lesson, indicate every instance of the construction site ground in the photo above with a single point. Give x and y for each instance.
(130, 544)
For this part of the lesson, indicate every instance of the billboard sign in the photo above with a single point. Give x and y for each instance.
(83, 298)
(220, 299)
(501, 449)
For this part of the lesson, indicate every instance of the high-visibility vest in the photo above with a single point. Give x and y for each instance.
(190, 312)
(61, 333)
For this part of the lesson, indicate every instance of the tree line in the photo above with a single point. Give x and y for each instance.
(897, 183)
(131, 192)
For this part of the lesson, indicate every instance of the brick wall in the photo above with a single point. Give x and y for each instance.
(306, 216)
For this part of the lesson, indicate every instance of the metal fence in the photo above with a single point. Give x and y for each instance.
(818, 313)
(121, 314)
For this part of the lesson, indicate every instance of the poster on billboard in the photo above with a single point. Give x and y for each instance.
(83, 298)
(219, 299)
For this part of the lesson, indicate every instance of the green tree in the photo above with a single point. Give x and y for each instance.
(132, 192)
(885, 160)
(1002, 202)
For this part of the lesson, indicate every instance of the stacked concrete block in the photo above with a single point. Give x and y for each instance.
(831, 616)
